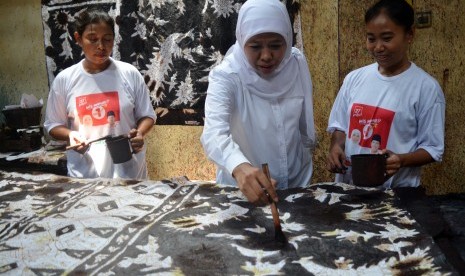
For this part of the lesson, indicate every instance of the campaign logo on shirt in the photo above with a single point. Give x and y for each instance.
(98, 109)
(369, 128)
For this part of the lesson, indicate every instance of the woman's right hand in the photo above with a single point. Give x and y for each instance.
(337, 157)
(254, 184)
(75, 138)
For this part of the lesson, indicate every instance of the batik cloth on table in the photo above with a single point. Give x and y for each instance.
(174, 44)
(58, 225)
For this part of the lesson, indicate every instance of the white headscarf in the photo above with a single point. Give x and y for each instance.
(264, 16)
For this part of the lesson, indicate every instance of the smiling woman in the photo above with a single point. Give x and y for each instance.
(389, 35)
(392, 101)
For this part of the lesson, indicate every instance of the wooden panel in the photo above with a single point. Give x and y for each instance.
(320, 35)
(439, 50)
(176, 151)
(353, 53)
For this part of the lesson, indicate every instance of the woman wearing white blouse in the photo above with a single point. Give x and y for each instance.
(259, 106)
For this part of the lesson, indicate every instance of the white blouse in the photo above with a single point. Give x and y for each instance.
(243, 126)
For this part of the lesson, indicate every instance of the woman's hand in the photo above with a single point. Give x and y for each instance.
(336, 160)
(137, 136)
(75, 138)
(136, 139)
(337, 157)
(254, 184)
(395, 161)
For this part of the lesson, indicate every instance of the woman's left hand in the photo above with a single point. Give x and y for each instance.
(393, 162)
(136, 139)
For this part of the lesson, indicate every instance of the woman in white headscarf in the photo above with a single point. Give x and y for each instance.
(259, 107)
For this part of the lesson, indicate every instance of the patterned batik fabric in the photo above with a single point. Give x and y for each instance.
(174, 44)
(58, 225)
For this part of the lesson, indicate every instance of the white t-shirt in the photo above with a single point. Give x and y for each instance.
(96, 105)
(402, 113)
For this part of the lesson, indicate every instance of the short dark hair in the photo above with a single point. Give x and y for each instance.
(376, 137)
(398, 11)
(92, 16)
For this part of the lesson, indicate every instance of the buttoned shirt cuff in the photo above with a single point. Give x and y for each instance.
(235, 160)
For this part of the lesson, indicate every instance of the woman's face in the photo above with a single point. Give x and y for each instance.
(97, 44)
(388, 43)
(265, 52)
(355, 137)
(87, 120)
